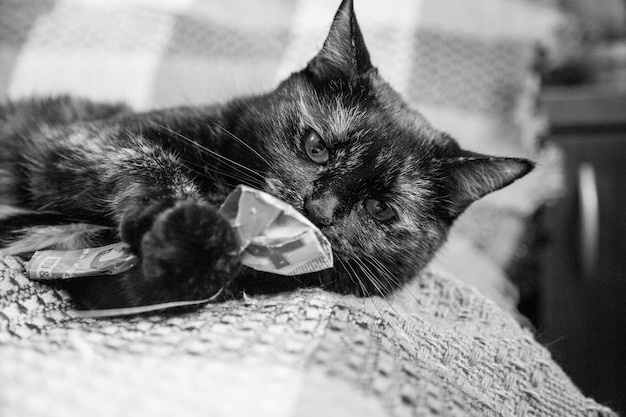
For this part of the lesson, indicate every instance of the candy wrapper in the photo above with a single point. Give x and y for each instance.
(273, 236)
(56, 264)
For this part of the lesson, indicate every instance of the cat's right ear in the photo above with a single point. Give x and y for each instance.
(344, 53)
(475, 175)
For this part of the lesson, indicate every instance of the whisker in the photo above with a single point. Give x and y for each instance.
(229, 184)
(232, 135)
(387, 276)
(381, 282)
(377, 264)
(354, 277)
(198, 173)
(343, 265)
(366, 292)
(212, 153)
(371, 277)
(382, 268)
(190, 165)
(396, 280)
(365, 270)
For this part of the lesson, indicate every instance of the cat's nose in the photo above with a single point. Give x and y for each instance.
(321, 210)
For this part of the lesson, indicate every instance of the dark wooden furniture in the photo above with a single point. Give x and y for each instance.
(582, 312)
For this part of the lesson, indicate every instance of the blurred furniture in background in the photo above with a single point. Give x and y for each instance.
(582, 314)
(597, 42)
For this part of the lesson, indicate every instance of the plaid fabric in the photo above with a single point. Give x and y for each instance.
(471, 56)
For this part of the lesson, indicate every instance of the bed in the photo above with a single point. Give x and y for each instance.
(451, 343)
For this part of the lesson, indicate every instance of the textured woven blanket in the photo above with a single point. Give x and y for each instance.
(439, 347)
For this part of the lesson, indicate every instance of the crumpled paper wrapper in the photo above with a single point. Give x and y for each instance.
(273, 236)
(57, 264)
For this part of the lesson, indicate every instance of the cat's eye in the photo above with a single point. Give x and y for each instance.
(379, 210)
(316, 148)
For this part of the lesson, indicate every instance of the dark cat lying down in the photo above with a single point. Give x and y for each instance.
(333, 140)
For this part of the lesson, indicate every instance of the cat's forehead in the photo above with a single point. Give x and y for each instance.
(343, 118)
(333, 117)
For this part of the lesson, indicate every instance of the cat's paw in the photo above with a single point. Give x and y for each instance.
(189, 253)
(138, 218)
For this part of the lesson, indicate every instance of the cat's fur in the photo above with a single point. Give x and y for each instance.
(80, 174)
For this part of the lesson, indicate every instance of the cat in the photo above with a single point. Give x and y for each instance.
(333, 140)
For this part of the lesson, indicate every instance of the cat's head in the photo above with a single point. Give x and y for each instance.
(381, 183)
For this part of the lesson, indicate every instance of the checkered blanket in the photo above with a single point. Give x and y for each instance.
(436, 348)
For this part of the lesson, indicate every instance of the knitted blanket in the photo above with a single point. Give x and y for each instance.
(436, 348)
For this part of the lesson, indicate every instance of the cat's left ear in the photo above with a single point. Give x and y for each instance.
(474, 176)
(344, 53)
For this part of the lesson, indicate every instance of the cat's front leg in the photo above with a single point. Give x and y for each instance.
(188, 251)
